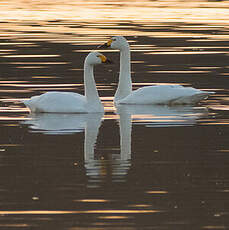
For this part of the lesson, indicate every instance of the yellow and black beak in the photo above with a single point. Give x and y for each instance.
(106, 45)
(104, 59)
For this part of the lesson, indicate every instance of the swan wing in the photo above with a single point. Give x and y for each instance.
(57, 102)
(165, 94)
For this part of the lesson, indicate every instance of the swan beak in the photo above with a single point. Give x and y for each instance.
(106, 45)
(105, 59)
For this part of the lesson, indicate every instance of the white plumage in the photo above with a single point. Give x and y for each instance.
(158, 94)
(68, 102)
(57, 102)
(164, 94)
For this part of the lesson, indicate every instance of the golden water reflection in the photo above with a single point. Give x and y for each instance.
(98, 168)
(143, 10)
(130, 164)
(63, 212)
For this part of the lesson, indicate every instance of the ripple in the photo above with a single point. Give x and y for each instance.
(162, 162)
(63, 212)
(31, 56)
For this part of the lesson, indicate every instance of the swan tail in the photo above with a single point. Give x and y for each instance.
(25, 102)
(29, 103)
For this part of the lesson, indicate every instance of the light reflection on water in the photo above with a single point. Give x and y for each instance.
(132, 167)
(96, 168)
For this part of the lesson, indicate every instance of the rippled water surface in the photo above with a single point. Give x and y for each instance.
(133, 167)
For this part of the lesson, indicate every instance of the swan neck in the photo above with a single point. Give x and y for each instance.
(125, 61)
(125, 83)
(91, 92)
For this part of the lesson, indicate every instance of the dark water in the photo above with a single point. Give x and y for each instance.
(134, 167)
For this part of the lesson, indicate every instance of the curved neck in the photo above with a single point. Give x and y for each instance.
(91, 92)
(125, 83)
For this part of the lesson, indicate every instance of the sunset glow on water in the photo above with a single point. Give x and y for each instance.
(133, 167)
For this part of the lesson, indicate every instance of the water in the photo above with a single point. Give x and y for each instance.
(133, 167)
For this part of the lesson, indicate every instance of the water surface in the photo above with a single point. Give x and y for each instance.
(133, 167)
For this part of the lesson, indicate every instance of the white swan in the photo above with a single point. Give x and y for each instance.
(68, 102)
(158, 94)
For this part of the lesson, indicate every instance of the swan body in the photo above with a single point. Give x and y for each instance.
(69, 102)
(158, 94)
(58, 102)
(164, 94)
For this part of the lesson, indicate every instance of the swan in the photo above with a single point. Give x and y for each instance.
(69, 102)
(157, 94)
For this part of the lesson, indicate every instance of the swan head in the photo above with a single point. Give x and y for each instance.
(95, 58)
(116, 42)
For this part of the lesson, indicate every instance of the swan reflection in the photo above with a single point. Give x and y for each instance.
(151, 116)
(54, 123)
(97, 169)
(163, 115)
(59, 124)
(117, 165)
